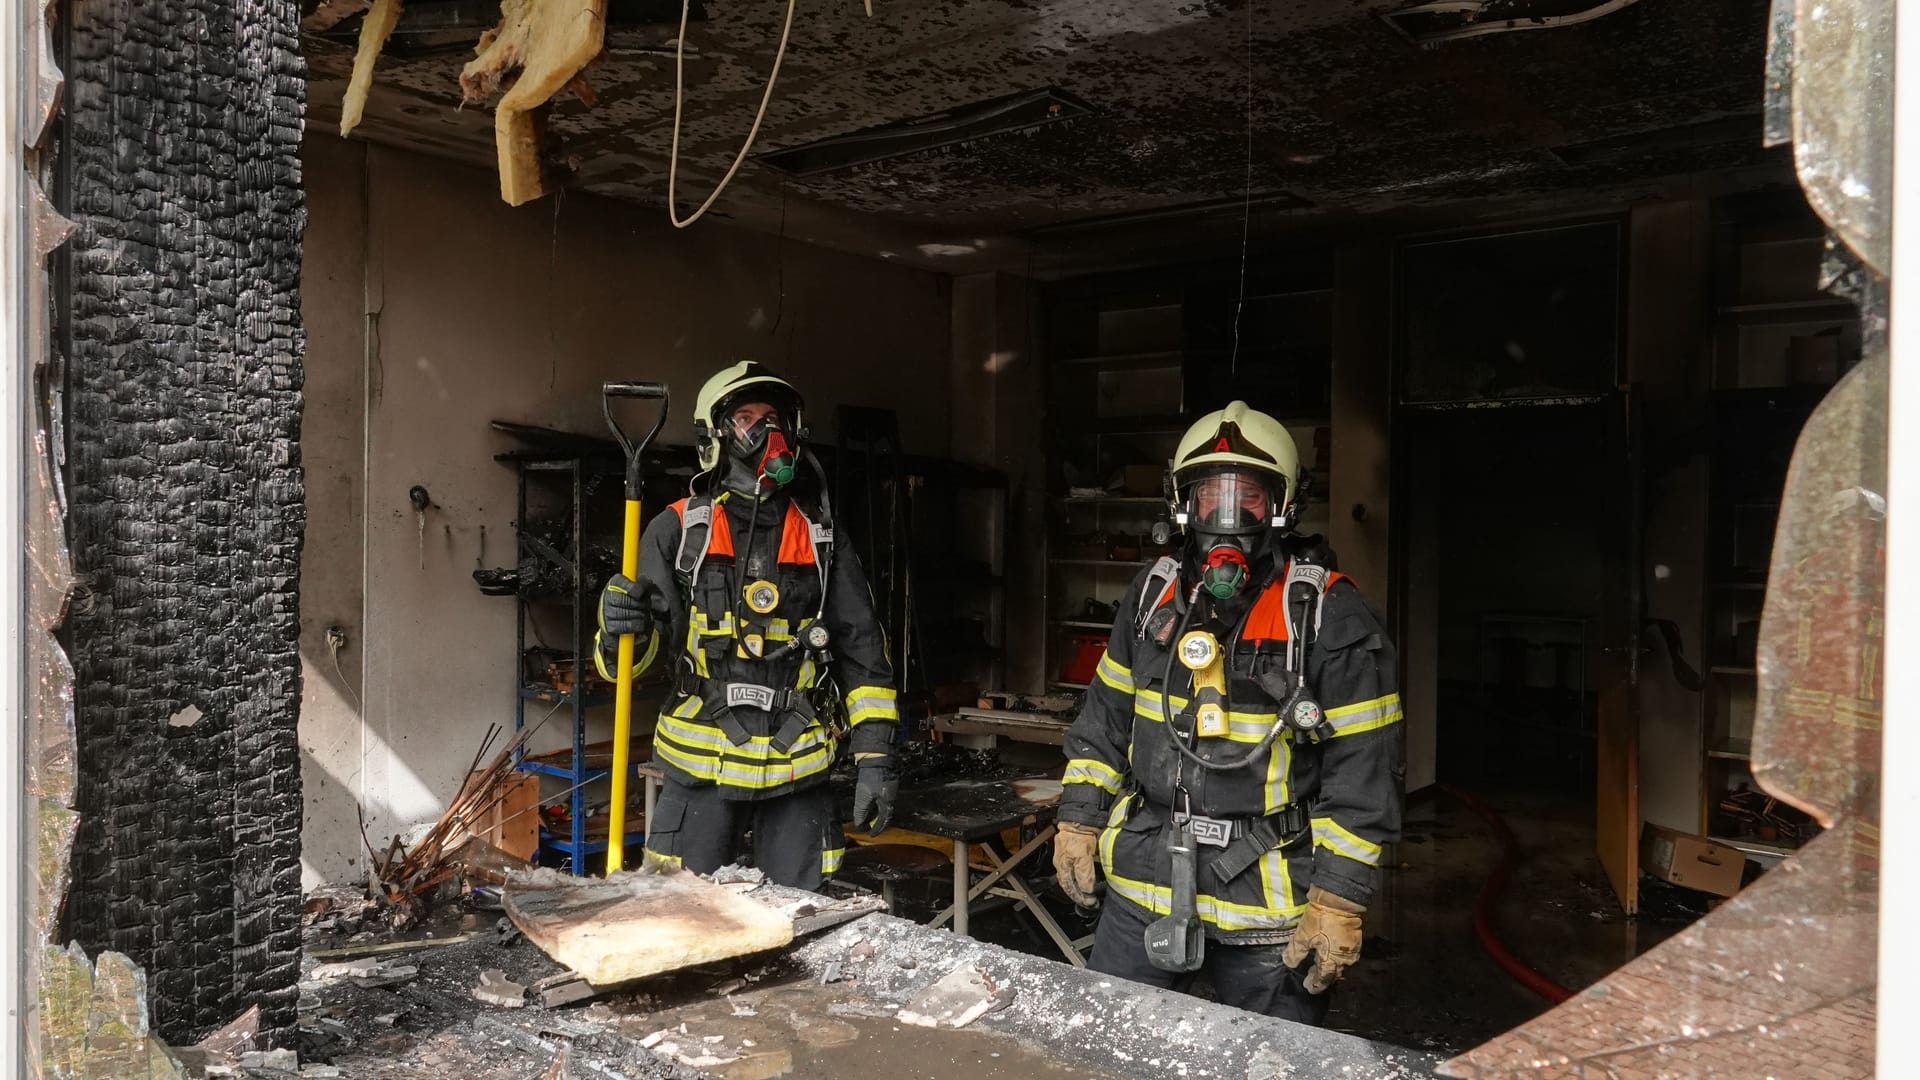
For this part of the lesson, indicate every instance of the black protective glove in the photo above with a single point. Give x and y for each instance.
(873, 793)
(625, 609)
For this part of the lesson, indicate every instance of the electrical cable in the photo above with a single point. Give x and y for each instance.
(679, 98)
(344, 684)
(1521, 972)
(1246, 207)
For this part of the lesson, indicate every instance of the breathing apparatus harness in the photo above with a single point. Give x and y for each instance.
(1223, 571)
(800, 708)
(1305, 594)
(1177, 942)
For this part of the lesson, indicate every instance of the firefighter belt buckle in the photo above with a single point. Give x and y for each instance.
(1209, 831)
(760, 697)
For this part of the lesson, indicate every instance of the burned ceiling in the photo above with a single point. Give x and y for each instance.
(1347, 115)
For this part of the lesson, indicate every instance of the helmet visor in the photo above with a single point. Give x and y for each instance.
(748, 423)
(1229, 501)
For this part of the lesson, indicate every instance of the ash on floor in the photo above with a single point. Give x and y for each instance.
(739, 1021)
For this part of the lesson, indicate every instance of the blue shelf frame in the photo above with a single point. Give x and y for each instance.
(575, 844)
(585, 848)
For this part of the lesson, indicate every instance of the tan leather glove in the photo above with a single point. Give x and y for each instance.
(1076, 851)
(1330, 930)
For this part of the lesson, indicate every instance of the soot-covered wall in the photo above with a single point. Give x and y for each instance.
(180, 325)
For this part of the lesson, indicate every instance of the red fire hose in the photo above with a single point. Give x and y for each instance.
(1490, 894)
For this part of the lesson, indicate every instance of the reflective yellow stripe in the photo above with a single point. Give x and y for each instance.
(1276, 883)
(754, 777)
(872, 703)
(1245, 727)
(1279, 775)
(1221, 913)
(654, 858)
(756, 749)
(694, 651)
(700, 767)
(1089, 771)
(1114, 674)
(830, 860)
(1365, 715)
(1280, 914)
(1329, 834)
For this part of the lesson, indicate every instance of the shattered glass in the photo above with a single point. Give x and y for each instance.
(91, 1021)
(1776, 110)
(1816, 737)
(53, 827)
(51, 768)
(1842, 105)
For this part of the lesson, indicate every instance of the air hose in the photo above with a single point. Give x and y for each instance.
(1166, 708)
(1490, 894)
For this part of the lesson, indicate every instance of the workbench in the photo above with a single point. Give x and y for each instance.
(1028, 727)
(972, 814)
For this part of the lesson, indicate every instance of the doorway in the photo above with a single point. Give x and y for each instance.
(1506, 590)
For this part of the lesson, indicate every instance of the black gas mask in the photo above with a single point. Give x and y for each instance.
(762, 449)
(1229, 517)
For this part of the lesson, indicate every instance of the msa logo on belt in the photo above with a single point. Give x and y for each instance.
(760, 697)
(1210, 831)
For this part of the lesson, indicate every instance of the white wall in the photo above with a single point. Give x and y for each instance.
(489, 312)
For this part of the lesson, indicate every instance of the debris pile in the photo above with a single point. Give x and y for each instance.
(927, 763)
(410, 879)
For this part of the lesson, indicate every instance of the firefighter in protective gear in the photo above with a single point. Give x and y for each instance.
(777, 658)
(1241, 735)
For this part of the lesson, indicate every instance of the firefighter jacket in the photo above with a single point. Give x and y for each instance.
(750, 710)
(1310, 810)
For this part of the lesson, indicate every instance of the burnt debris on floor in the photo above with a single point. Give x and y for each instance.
(831, 1006)
(412, 991)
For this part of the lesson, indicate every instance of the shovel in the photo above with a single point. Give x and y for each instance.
(629, 566)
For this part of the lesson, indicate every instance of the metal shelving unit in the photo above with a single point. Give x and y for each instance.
(1137, 356)
(1779, 345)
(574, 473)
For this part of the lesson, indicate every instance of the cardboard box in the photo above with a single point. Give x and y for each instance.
(1690, 861)
(513, 823)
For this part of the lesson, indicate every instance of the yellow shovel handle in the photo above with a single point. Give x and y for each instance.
(623, 700)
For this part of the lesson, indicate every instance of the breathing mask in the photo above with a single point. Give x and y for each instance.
(1230, 516)
(762, 450)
